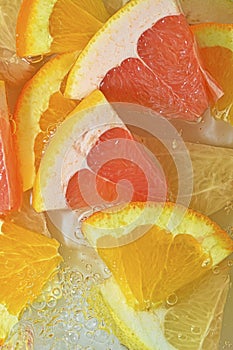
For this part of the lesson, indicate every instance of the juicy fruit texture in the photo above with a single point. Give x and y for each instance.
(13, 69)
(40, 108)
(198, 11)
(216, 52)
(114, 163)
(149, 264)
(143, 68)
(27, 261)
(10, 183)
(87, 170)
(192, 321)
(57, 26)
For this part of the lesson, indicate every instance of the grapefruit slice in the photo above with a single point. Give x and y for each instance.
(156, 271)
(10, 182)
(216, 51)
(90, 161)
(145, 54)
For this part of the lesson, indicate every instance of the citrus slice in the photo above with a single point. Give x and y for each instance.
(216, 52)
(57, 26)
(150, 263)
(198, 11)
(166, 295)
(211, 175)
(27, 261)
(10, 183)
(89, 155)
(145, 54)
(189, 319)
(13, 69)
(40, 108)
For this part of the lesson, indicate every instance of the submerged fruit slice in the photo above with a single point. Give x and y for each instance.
(190, 319)
(10, 183)
(90, 155)
(216, 52)
(151, 262)
(198, 11)
(27, 261)
(211, 173)
(145, 54)
(57, 25)
(40, 108)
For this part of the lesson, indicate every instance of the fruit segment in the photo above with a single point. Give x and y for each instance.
(10, 184)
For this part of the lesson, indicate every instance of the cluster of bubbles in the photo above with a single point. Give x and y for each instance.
(62, 319)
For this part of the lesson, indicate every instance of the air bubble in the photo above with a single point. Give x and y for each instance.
(206, 263)
(72, 337)
(181, 337)
(174, 144)
(216, 270)
(57, 292)
(196, 330)
(52, 302)
(76, 278)
(230, 263)
(91, 324)
(34, 59)
(88, 267)
(172, 299)
(39, 305)
(101, 336)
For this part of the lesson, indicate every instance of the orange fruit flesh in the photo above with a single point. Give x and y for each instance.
(27, 261)
(155, 265)
(59, 108)
(72, 25)
(166, 78)
(218, 61)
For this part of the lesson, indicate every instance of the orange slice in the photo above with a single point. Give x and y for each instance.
(133, 64)
(143, 260)
(40, 108)
(216, 52)
(165, 293)
(57, 26)
(27, 261)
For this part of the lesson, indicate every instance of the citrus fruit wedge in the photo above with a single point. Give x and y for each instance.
(216, 52)
(10, 183)
(145, 54)
(57, 26)
(40, 108)
(27, 261)
(13, 69)
(211, 173)
(191, 319)
(159, 254)
(198, 11)
(89, 157)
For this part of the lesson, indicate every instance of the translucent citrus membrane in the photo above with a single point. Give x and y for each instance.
(59, 108)
(155, 265)
(218, 61)
(73, 23)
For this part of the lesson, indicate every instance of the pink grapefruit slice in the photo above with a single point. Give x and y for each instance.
(145, 54)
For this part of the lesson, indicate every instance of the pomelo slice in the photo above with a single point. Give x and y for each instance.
(216, 52)
(78, 162)
(145, 54)
(157, 271)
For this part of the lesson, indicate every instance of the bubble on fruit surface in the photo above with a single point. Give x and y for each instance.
(172, 299)
(61, 318)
